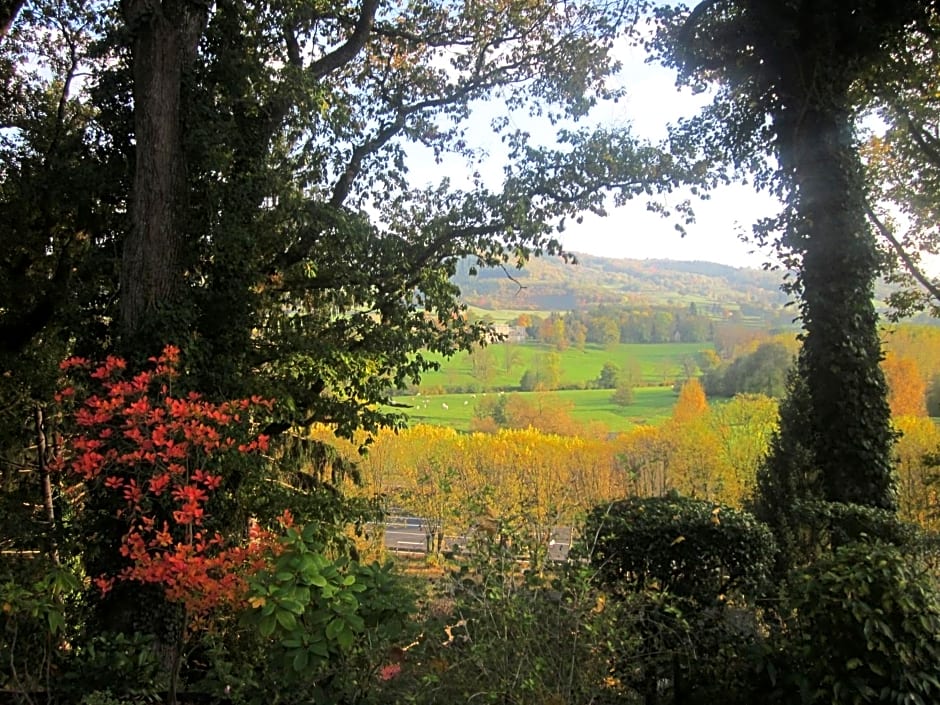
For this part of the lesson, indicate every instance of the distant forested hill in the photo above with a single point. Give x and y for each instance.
(548, 284)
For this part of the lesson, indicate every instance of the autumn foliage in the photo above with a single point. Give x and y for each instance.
(907, 387)
(164, 457)
(691, 403)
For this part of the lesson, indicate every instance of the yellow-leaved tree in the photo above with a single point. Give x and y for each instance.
(643, 454)
(691, 404)
(693, 448)
(907, 387)
(918, 471)
(742, 427)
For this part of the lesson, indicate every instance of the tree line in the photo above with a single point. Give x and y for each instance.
(533, 462)
(611, 325)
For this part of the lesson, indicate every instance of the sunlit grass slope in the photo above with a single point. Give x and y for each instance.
(659, 363)
(652, 405)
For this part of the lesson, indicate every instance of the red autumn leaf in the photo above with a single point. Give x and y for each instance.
(160, 439)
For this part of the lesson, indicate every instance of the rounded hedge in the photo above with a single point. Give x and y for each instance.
(688, 547)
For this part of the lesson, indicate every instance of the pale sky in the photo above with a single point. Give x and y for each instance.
(631, 231)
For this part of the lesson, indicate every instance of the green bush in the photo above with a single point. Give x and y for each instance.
(329, 622)
(113, 667)
(839, 523)
(609, 377)
(683, 572)
(763, 371)
(690, 548)
(866, 630)
(624, 394)
(672, 650)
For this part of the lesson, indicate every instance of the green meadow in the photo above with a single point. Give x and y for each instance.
(659, 363)
(652, 405)
(506, 315)
(448, 397)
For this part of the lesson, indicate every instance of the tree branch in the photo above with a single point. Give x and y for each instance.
(280, 103)
(686, 32)
(345, 53)
(59, 127)
(8, 11)
(511, 278)
(294, 56)
(344, 184)
(927, 143)
(908, 261)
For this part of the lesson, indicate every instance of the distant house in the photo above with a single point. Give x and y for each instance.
(511, 334)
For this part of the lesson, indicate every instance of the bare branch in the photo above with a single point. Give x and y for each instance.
(64, 92)
(345, 53)
(906, 258)
(515, 281)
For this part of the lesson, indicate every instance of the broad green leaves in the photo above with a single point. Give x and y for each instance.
(315, 609)
(867, 628)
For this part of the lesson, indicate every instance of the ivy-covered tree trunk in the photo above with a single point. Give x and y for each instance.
(165, 36)
(850, 437)
(790, 72)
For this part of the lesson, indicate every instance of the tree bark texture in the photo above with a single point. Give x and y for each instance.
(165, 35)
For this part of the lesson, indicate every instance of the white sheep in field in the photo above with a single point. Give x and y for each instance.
(444, 404)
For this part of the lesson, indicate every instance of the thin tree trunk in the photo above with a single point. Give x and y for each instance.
(47, 496)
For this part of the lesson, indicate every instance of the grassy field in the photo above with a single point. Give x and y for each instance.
(660, 364)
(652, 405)
(506, 315)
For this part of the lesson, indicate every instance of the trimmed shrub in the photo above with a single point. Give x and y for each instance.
(691, 548)
(683, 571)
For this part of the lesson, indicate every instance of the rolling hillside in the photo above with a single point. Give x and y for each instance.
(549, 284)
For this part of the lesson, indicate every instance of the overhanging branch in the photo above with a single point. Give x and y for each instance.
(905, 256)
(928, 144)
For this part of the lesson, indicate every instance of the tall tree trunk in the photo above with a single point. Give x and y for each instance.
(851, 438)
(165, 35)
